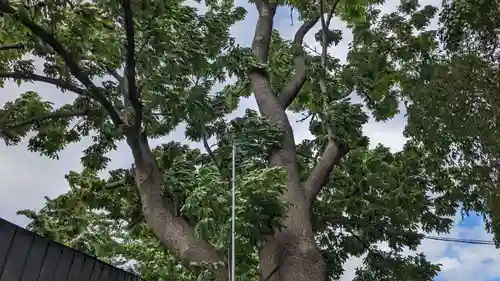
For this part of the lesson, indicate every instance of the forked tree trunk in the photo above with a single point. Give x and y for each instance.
(293, 250)
(296, 253)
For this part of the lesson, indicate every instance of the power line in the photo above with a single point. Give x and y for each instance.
(389, 228)
(460, 240)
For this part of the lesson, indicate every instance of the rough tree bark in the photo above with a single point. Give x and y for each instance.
(296, 252)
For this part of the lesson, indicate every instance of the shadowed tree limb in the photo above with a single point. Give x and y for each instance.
(35, 77)
(43, 117)
(114, 73)
(66, 56)
(330, 14)
(269, 105)
(321, 173)
(299, 78)
(14, 46)
(116, 184)
(159, 212)
(210, 152)
(131, 90)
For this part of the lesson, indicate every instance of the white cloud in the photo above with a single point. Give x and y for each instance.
(27, 177)
(448, 264)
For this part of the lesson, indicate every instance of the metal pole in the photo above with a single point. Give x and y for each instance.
(233, 217)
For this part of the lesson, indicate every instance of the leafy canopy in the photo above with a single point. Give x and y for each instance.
(183, 55)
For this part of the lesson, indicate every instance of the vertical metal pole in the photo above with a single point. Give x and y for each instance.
(233, 217)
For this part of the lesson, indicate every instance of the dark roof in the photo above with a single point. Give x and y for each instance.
(27, 256)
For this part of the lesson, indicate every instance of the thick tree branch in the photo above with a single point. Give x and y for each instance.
(159, 211)
(263, 30)
(44, 117)
(34, 77)
(321, 173)
(299, 78)
(115, 74)
(66, 56)
(131, 83)
(15, 46)
(268, 103)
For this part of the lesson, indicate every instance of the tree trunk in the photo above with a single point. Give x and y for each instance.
(296, 250)
(297, 253)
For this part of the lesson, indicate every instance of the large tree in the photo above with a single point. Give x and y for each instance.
(141, 69)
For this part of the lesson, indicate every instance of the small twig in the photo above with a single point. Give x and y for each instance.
(306, 117)
(311, 48)
(76, 125)
(315, 51)
(209, 151)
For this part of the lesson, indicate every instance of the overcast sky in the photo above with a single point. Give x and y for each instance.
(27, 177)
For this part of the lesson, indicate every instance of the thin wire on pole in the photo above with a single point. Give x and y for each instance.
(233, 215)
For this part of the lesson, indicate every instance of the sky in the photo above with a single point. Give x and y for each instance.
(27, 177)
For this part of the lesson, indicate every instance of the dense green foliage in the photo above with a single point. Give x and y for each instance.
(445, 76)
